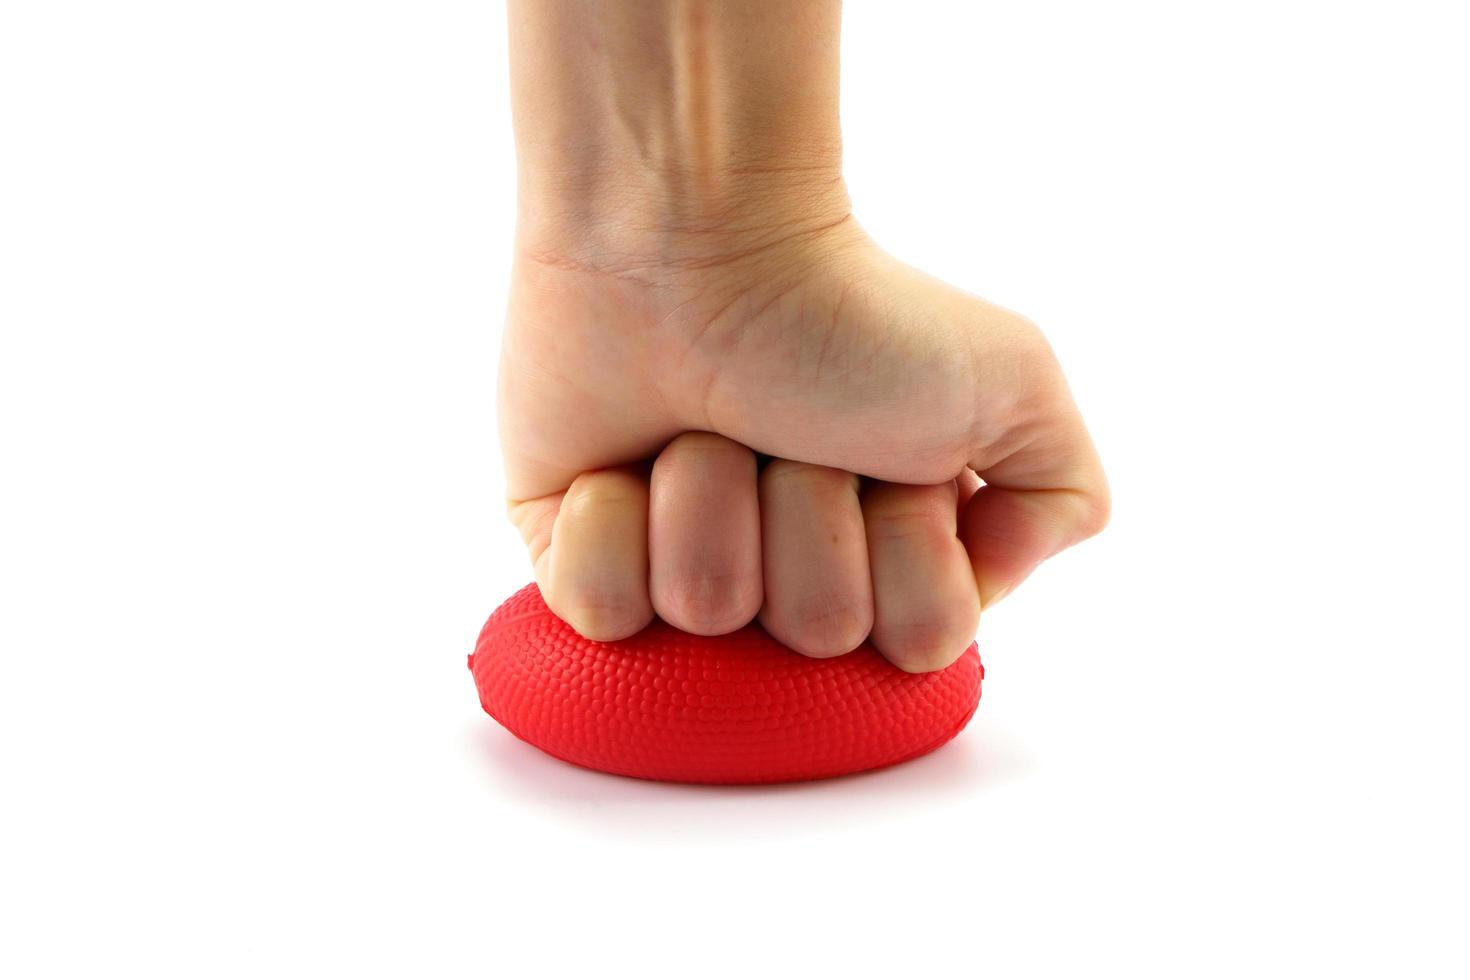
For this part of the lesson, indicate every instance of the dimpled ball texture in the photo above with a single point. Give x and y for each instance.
(739, 708)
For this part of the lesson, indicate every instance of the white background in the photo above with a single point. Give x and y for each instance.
(253, 259)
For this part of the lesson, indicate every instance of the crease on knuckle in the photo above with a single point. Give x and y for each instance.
(1098, 511)
(809, 476)
(603, 615)
(717, 600)
(825, 626)
(924, 645)
(589, 497)
(1090, 512)
(703, 443)
(921, 526)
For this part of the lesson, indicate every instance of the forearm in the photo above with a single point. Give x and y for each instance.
(673, 118)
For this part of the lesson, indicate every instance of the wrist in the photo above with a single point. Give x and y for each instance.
(674, 130)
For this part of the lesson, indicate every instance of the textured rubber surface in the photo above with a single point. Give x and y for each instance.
(739, 708)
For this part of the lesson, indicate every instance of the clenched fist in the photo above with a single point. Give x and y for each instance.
(720, 400)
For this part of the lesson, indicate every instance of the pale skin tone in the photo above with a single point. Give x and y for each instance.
(720, 401)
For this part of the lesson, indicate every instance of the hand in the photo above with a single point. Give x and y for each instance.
(706, 308)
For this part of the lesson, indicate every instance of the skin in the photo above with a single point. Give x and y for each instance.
(720, 400)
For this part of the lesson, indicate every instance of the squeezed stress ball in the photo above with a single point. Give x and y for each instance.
(739, 708)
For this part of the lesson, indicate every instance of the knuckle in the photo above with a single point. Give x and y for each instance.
(926, 645)
(787, 472)
(696, 455)
(828, 627)
(702, 442)
(709, 602)
(1100, 513)
(928, 522)
(603, 616)
(604, 491)
(1023, 334)
(1094, 510)
(933, 635)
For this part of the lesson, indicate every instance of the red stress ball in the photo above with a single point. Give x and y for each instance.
(739, 708)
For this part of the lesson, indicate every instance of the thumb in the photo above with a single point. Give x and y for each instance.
(1035, 503)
